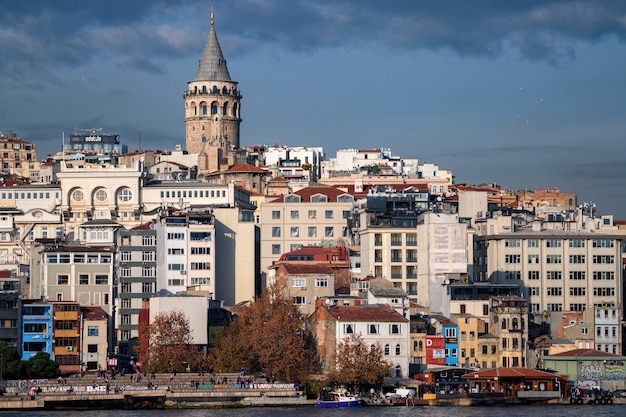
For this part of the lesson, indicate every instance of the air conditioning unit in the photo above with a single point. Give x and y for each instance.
(69, 348)
(46, 336)
(183, 272)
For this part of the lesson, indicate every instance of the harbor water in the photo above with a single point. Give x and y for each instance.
(385, 411)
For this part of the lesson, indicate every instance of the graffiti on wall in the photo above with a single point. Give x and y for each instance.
(590, 371)
(614, 369)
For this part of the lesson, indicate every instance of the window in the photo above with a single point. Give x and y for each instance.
(295, 231)
(321, 282)
(395, 329)
(577, 291)
(63, 279)
(373, 329)
(512, 243)
(348, 328)
(295, 214)
(555, 291)
(398, 350)
(577, 275)
(533, 259)
(603, 259)
(299, 300)
(298, 282)
(533, 243)
(576, 243)
(533, 274)
(553, 259)
(450, 332)
(312, 214)
(78, 196)
(276, 249)
(577, 259)
(328, 214)
(603, 243)
(329, 231)
(101, 195)
(312, 231)
(553, 243)
(554, 274)
(603, 275)
(125, 195)
(147, 287)
(275, 231)
(512, 259)
(93, 331)
(83, 279)
(386, 350)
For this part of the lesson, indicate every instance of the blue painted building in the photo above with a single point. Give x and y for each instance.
(36, 328)
(451, 343)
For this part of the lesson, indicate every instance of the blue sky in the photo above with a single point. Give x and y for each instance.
(527, 94)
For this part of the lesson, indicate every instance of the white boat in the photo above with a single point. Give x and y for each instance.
(338, 399)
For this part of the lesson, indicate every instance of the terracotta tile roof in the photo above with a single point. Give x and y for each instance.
(509, 373)
(278, 179)
(584, 352)
(306, 193)
(145, 226)
(305, 268)
(93, 313)
(246, 168)
(367, 312)
(5, 273)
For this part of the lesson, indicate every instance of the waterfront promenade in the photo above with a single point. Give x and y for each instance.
(184, 390)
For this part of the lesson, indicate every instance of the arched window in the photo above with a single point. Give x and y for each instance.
(124, 195)
(204, 109)
(224, 108)
(214, 108)
(203, 138)
(204, 88)
(387, 350)
(235, 108)
(215, 90)
(397, 349)
(420, 346)
(514, 323)
(415, 345)
(503, 324)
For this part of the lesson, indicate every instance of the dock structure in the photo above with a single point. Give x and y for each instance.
(158, 391)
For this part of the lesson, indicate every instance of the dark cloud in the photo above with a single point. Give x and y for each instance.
(38, 36)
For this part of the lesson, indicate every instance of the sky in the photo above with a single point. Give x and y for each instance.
(525, 94)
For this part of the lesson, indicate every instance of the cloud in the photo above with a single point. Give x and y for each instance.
(38, 36)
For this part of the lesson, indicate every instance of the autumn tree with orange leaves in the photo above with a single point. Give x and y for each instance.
(268, 336)
(358, 364)
(166, 344)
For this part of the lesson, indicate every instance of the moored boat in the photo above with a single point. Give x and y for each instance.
(338, 399)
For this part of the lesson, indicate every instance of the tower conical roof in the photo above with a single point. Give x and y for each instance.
(212, 65)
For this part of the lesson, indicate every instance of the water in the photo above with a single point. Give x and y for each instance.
(499, 411)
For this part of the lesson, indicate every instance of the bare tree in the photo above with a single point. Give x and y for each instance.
(358, 364)
(166, 344)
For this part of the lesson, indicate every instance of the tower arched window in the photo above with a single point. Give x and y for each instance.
(204, 88)
(235, 108)
(203, 138)
(204, 109)
(214, 108)
(224, 108)
(215, 90)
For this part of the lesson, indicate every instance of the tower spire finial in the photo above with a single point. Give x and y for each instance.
(212, 16)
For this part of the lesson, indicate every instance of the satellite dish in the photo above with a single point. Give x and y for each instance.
(175, 175)
(200, 176)
(183, 175)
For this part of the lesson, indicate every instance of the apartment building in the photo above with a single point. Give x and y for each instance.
(186, 251)
(385, 226)
(308, 217)
(510, 316)
(16, 154)
(558, 270)
(36, 328)
(67, 325)
(137, 257)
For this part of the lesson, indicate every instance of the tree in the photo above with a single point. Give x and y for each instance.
(269, 336)
(358, 365)
(166, 344)
(39, 366)
(10, 361)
